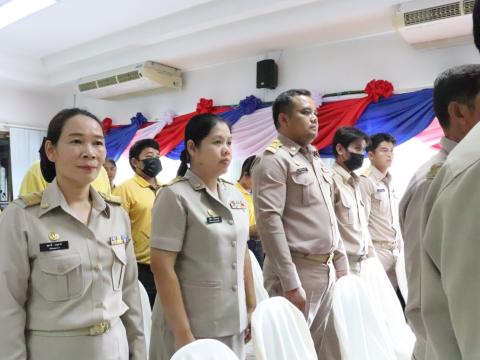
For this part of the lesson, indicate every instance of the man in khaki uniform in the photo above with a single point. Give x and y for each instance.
(449, 87)
(349, 148)
(293, 192)
(450, 291)
(62, 279)
(381, 203)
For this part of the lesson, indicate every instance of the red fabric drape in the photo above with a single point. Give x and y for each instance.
(173, 134)
(431, 135)
(333, 115)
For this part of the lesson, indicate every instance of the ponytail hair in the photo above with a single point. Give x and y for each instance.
(55, 128)
(196, 130)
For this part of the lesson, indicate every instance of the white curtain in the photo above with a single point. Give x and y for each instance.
(24, 145)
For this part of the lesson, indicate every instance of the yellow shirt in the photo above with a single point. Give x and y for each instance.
(33, 181)
(137, 199)
(248, 197)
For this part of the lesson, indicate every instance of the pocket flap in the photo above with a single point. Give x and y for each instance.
(59, 265)
(345, 202)
(303, 178)
(120, 254)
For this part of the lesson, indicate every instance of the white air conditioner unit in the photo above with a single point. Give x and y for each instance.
(434, 23)
(130, 80)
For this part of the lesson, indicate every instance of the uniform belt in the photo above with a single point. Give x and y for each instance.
(98, 329)
(385, 245)
(324, 259)
(357, 258)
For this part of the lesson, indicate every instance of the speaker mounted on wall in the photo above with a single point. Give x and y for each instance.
(267, 74)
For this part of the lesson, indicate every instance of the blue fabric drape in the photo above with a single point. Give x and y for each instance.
(246, 106)
(402, 116)
(118, 139)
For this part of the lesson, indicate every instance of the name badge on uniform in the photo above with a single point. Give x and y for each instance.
(237, 204)
(302, 170)
(380, 190)
(214, 219)
(54, 246)
(118, 239)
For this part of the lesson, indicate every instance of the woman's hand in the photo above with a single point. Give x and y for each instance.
(248, 331)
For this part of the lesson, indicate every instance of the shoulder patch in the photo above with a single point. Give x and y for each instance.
(112, 199)
(434, 170)
(174, 181)
(274, 146)
(31, 199)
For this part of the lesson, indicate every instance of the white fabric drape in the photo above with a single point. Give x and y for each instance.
(24, 145)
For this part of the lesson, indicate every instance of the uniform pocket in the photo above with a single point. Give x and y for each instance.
(345, 211)
(60, 277)
(118, 267)
(305, 181)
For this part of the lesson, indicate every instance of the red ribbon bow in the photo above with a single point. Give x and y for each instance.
(379, 88)
(205, 106)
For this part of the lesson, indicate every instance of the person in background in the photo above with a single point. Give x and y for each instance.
(381, 205)
(349, 146)
(33, 181)
(244, 184)
(111, 168)
(199, 248)
(293, 198)
(67, 267)
(138, 195)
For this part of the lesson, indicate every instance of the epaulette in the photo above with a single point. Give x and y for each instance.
(434, 170)
(274, 146)
(32, 199)
(112, 199)
(174, 181)
(367, 172)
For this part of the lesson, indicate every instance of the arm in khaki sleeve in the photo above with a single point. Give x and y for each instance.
(270, 190)
(457, 217)
(340, 259)
(133, 318)
(168, 231)
(366, 191)
(14, 275)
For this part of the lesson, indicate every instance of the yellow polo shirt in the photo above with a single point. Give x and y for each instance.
(137, 199)
(248, 197)
(33, 181)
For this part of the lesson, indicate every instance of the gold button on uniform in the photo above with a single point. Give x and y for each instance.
(230, 222)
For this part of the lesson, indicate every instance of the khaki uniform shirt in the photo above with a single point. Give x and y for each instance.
(410, 212)
(293, 194)
(138, 197)
(450, 286)
(381, 207)
(58, 274)
(210, 236)
(350, 211)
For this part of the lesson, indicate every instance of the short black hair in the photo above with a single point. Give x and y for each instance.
(376, 139)
(138, 147)
(283, 103)
(345, 136)
(476, 24)
(459, 83)
(247, 166)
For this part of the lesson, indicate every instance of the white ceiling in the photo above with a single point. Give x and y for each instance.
(78, 38)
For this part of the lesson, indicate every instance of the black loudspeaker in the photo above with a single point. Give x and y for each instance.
(267, 74)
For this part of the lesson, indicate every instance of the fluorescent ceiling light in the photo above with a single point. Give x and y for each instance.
(15, 10)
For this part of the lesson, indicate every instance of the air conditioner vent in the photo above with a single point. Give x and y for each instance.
(468, 6)
(111, 80)
(431, 14)
(87, 86)
(129, 76)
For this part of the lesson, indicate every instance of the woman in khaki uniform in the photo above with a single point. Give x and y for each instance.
(67, 269)
(199, 255)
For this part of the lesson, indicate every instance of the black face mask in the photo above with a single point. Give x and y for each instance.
(151, 166)
(355, 162)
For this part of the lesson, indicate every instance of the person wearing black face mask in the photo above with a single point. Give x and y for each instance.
(349, 146)
(138, 195)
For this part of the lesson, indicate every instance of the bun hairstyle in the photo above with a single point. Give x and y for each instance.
(196, 130)
(55, 128)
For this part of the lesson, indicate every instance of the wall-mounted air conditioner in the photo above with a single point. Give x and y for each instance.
(130, 80)
(429, 23)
